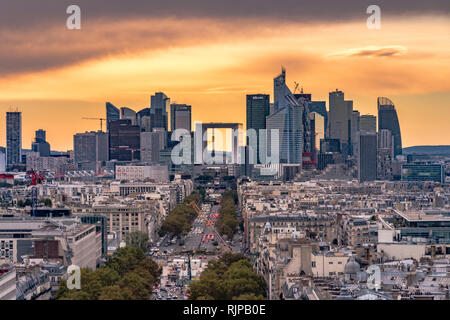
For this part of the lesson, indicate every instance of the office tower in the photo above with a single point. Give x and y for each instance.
(40, 145)
(339, 119)
(40, 135)
(112, 114)
(128, 114)
(288, 122)
(158, 112)
(180, 117)
(367, 156)
(150, 147)
(287, 118)
(280, 91)
(368, 123)
(124, 141)
(258, 108)
(354, 129)
(387, 119)
(90, 148)
(13, 137)
(385, 155)
(143, 119)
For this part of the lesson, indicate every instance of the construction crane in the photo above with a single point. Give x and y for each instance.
(213, 229)
(101, 121)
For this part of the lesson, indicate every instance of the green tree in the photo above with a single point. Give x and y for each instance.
(137, 239)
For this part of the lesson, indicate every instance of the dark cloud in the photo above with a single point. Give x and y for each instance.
(23, 13)
(34, 37)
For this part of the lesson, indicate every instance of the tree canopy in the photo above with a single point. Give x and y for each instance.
(127, 275)
(230, 277)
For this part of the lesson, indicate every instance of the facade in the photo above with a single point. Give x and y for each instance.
(258, 108)
(368, 123)
(180, 117)
(40, 145)
(423, 172)
(339, 119)
(124, 141)
(387, 119)
(13, 138)
(385, 155)
(128, 114)
(139, 173)
(112, 114)
(367, 156)
(90, 147)
(150, 146)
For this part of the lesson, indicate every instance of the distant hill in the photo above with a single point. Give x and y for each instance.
(431, 150)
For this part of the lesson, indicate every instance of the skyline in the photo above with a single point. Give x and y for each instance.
(125, 58)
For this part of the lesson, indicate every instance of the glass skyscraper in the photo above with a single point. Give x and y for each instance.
(387, 119)
(112, 114)
(258, 108)
(13, 137)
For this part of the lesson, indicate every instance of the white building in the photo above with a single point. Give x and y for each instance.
(157, 173)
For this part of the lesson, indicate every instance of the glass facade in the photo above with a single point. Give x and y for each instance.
(423, 172)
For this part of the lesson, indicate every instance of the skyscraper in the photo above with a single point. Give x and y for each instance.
(158, 112)
(258, 108)
(127, 113)
(40, 145)
(150, 147)
(385, 155)
(339, 119)
(368, 122)
(367, 156)
(287, 118)
(13, 137)
(354, 130)
(143, 119)
(180, 117)
(90, 148)
(124, 141)
(112, 114)
(387, 119)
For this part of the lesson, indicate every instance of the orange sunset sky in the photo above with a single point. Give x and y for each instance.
(211, 59)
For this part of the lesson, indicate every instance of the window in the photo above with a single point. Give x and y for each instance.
(313, 264)
(331, 262)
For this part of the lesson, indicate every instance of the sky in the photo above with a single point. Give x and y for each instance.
(210, 54)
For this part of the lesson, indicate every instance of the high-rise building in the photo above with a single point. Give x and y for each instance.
(367, 156)
(387, 119)
(287, 118)
(158, 112)
(354, 129)
(180, 117)
(128, 114)
(368, 123)
(124, 141)
(90, 148)
(339, 119)
(258, 108)
(143, 119)
(40, 145)
(112, 114)
(150, 147)
(13, 137)
(385, 155)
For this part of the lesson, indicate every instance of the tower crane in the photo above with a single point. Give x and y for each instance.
(101, 121)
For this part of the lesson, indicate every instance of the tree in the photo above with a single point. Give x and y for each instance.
(230, 277)
(137, 239)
